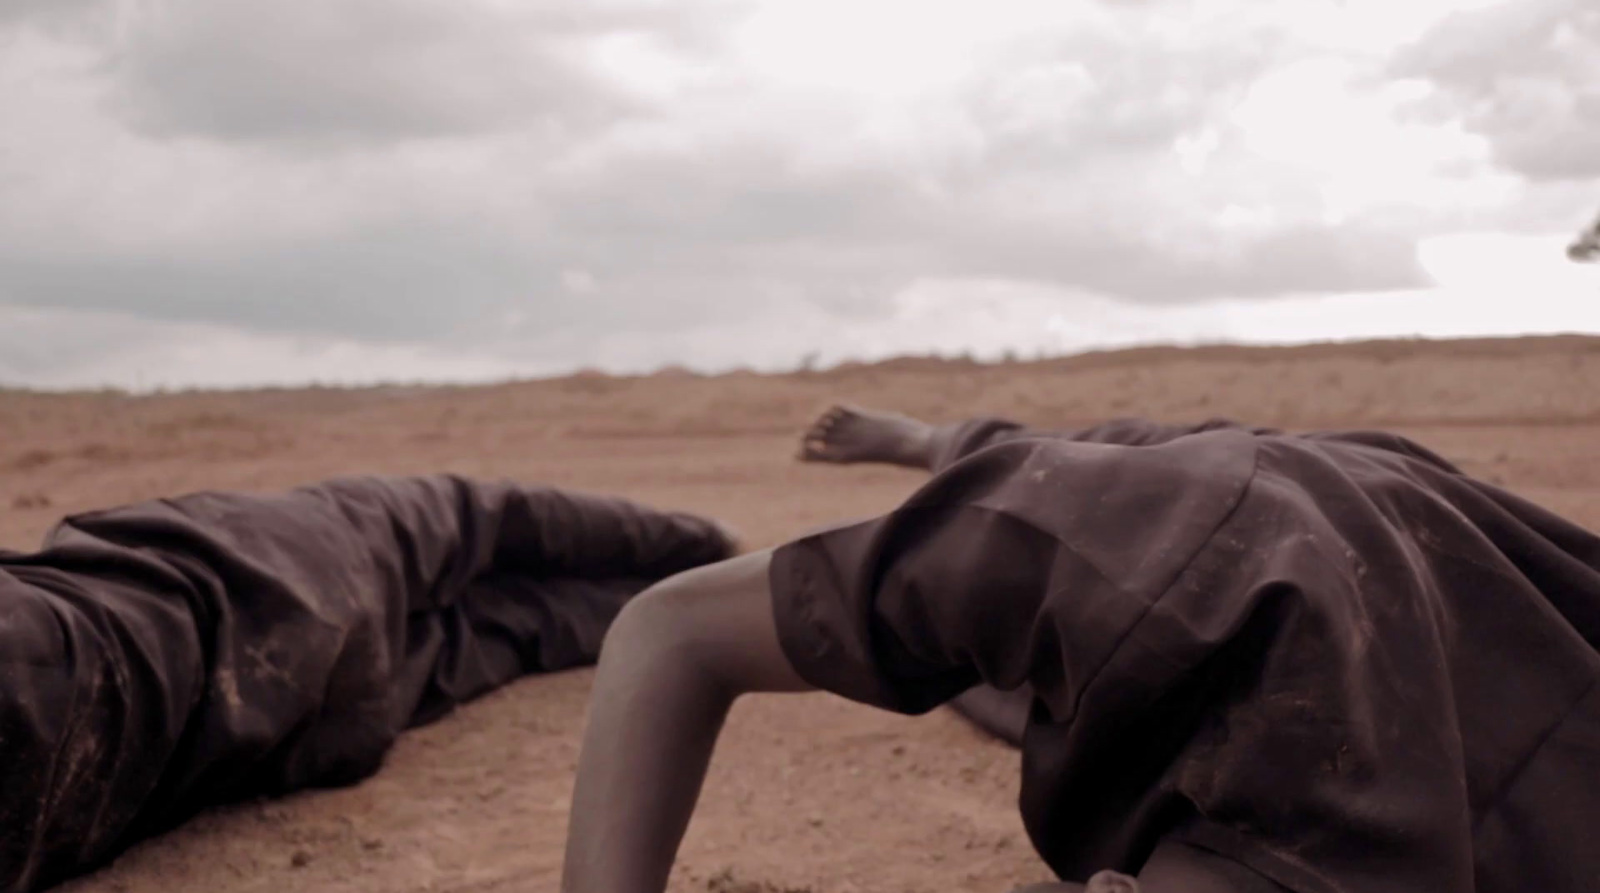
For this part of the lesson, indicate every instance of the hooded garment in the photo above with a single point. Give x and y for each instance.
(166, 656)
(1334, 658)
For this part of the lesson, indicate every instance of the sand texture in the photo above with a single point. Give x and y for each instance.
(806, 793)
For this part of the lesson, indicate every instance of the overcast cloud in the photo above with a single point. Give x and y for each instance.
(1526, 77)
(221, 191)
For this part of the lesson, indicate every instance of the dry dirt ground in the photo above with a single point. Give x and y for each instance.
(806, 792)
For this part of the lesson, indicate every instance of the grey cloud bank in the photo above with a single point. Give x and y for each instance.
(1525, 76)
(484, 180)
(364, 71)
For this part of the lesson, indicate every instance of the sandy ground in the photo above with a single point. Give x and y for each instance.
(806, 793)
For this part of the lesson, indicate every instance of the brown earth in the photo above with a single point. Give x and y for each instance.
(806, 792)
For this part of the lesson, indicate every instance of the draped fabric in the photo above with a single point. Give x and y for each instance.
(1332, 658)
(161, 657)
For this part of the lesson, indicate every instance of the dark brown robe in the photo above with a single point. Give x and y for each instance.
(1332, 658)
(162, 657)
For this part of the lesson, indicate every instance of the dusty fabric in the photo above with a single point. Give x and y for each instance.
(162, 657)
(1332, 658)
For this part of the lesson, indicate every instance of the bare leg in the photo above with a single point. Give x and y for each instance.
(1003, 714)
(848, 434)
(672, 665)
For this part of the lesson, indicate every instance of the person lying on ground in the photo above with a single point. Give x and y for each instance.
(166, 656)
(1257, 661)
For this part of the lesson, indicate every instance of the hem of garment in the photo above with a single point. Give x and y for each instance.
(809, 648)
(813, 653)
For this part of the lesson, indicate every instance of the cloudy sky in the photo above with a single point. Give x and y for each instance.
(224, 192)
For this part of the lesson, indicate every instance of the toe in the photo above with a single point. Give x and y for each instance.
(818, 432)
(816, 450)
(824, 420)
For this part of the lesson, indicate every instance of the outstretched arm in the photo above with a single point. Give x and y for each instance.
(672, 665)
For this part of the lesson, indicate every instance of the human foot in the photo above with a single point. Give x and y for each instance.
(847, 434)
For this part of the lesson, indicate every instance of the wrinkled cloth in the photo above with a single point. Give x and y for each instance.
(1333, 658)
(162, 657)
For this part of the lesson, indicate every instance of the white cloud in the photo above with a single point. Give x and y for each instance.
(629, 182)
(1526, 75)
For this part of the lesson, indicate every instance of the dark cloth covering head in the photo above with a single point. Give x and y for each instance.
(1332, 658)
(162, 657)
